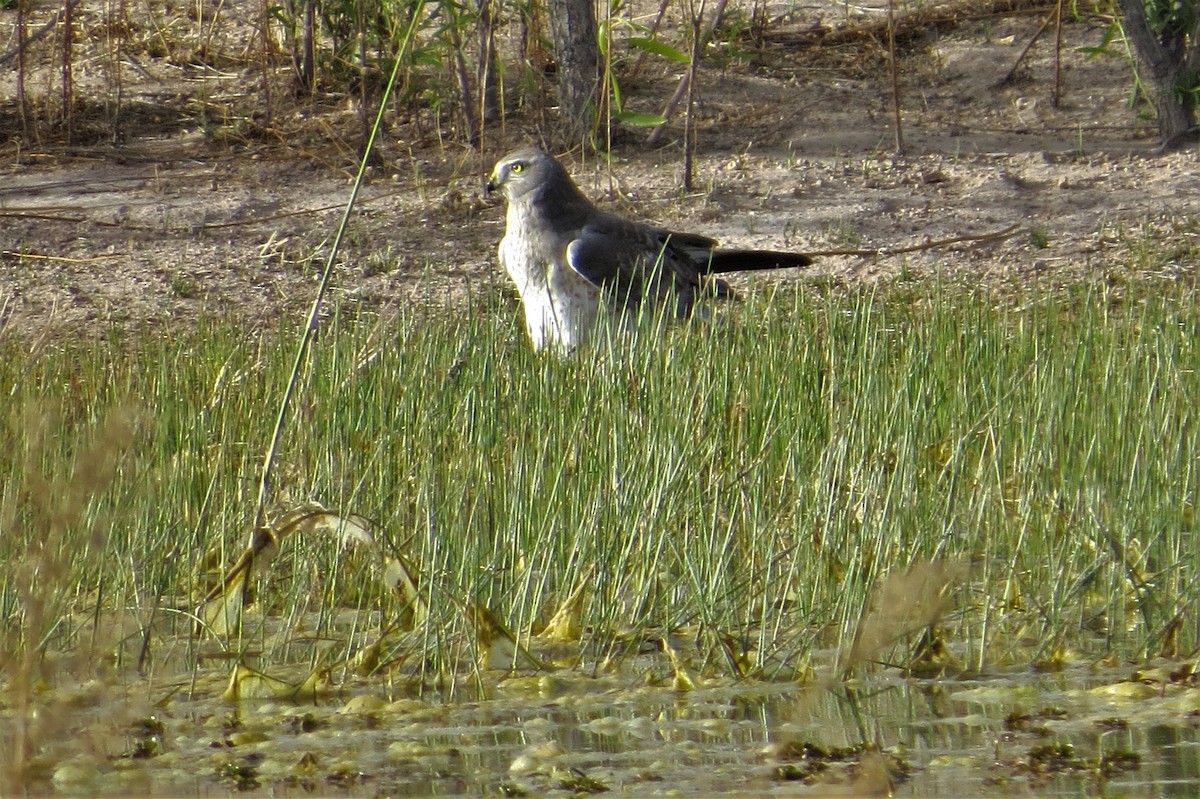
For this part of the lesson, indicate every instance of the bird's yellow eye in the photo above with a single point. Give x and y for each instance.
(516, 168)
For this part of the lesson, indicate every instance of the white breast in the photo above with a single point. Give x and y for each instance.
(560, 306)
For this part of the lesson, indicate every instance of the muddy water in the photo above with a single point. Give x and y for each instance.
(1078, 732)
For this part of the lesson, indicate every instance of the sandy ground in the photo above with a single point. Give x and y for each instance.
(796, 151)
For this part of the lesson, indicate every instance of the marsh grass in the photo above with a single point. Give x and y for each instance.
(745, 485)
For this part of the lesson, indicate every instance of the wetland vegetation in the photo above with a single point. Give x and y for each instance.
(917, 525)
(920, 534)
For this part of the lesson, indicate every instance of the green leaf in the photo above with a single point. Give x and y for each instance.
(1105, 47)
(658, 48)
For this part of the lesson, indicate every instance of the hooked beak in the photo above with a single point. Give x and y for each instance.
(490, 189)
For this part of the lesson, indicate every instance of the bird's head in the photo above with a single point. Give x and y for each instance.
(520, 172)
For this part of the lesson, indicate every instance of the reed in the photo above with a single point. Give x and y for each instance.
(752, 479)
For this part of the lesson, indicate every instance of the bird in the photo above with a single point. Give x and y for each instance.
(573, 263)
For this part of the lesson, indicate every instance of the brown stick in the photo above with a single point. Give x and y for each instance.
(39, 33)
(641, 59)
(1021, 58)
(1058, 42)
(689, 132)
(997, 235)
(685, 83)
(68, 69)
(892, 68)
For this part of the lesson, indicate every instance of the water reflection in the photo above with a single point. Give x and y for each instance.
(721, 741)
(1176, 753)
(1022, 734)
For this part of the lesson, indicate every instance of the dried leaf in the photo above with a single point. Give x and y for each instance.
(248, 683)
(497, 646)
(565, 626)
(684, 679)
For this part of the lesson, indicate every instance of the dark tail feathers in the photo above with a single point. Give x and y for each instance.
(752, 260)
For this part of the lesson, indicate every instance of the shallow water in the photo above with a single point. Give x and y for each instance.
(564, 733)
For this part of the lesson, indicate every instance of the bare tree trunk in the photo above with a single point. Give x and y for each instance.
(573, 29)
(306, 66)
(894, 75)
(489, 93)
(68, 87)
(469, 104)
(266, 51)
(22, 105)
(1172, 56)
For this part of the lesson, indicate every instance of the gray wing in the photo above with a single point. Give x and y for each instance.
(633, 261)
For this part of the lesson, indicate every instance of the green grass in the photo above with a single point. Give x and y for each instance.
(754, 479)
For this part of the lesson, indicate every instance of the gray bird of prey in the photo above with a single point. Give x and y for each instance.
(571, 261)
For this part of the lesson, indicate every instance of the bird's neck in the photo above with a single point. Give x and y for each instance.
(562, 202)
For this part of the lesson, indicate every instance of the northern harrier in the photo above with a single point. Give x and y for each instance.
(569, 259)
